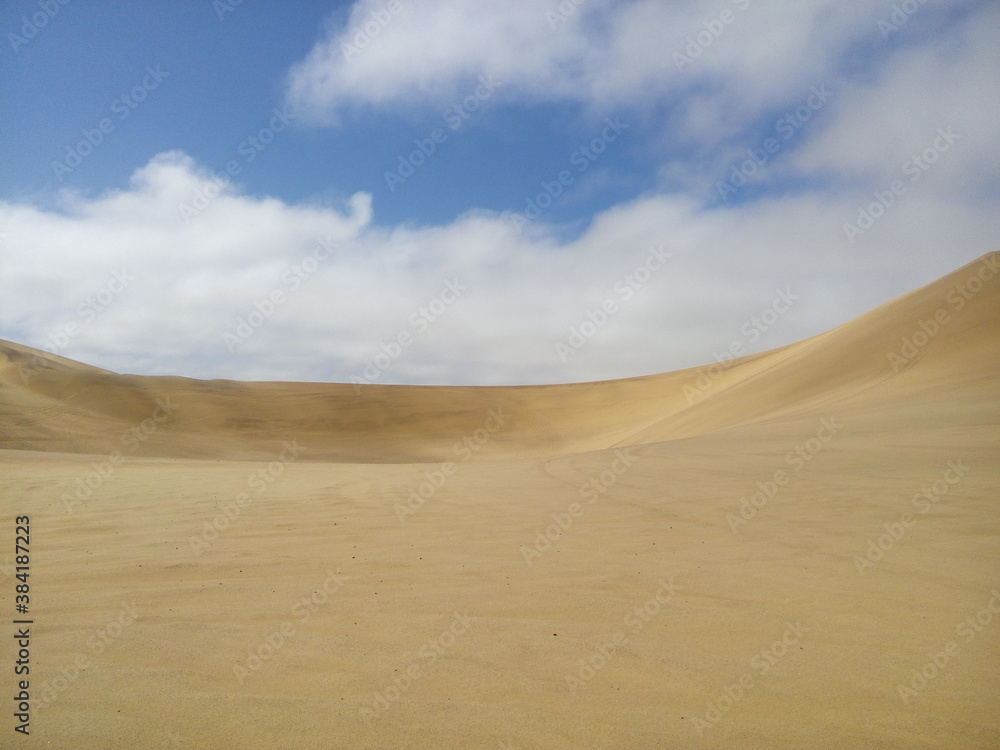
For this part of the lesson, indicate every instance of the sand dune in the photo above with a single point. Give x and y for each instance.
(49, 403)
(781, 551)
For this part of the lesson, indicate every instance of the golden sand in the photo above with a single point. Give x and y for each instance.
(797, 549)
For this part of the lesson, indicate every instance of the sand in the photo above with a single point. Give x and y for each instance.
(798, 549)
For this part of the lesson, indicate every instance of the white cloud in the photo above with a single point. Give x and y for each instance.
(882, 124)
(194, 281)
(744, 54)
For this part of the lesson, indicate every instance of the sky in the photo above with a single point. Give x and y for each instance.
(481, 192)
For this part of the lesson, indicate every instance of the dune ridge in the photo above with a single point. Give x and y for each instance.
(54, 404)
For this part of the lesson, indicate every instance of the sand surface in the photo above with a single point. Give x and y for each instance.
(761, 555)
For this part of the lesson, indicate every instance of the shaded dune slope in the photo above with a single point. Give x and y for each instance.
(49, 403)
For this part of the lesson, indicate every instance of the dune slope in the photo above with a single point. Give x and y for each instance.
(49, 403)
(799, 549)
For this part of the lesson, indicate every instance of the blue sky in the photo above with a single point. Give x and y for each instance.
(543, 153)
(222, 83)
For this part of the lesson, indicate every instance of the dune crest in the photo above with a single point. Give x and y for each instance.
(54, 404)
